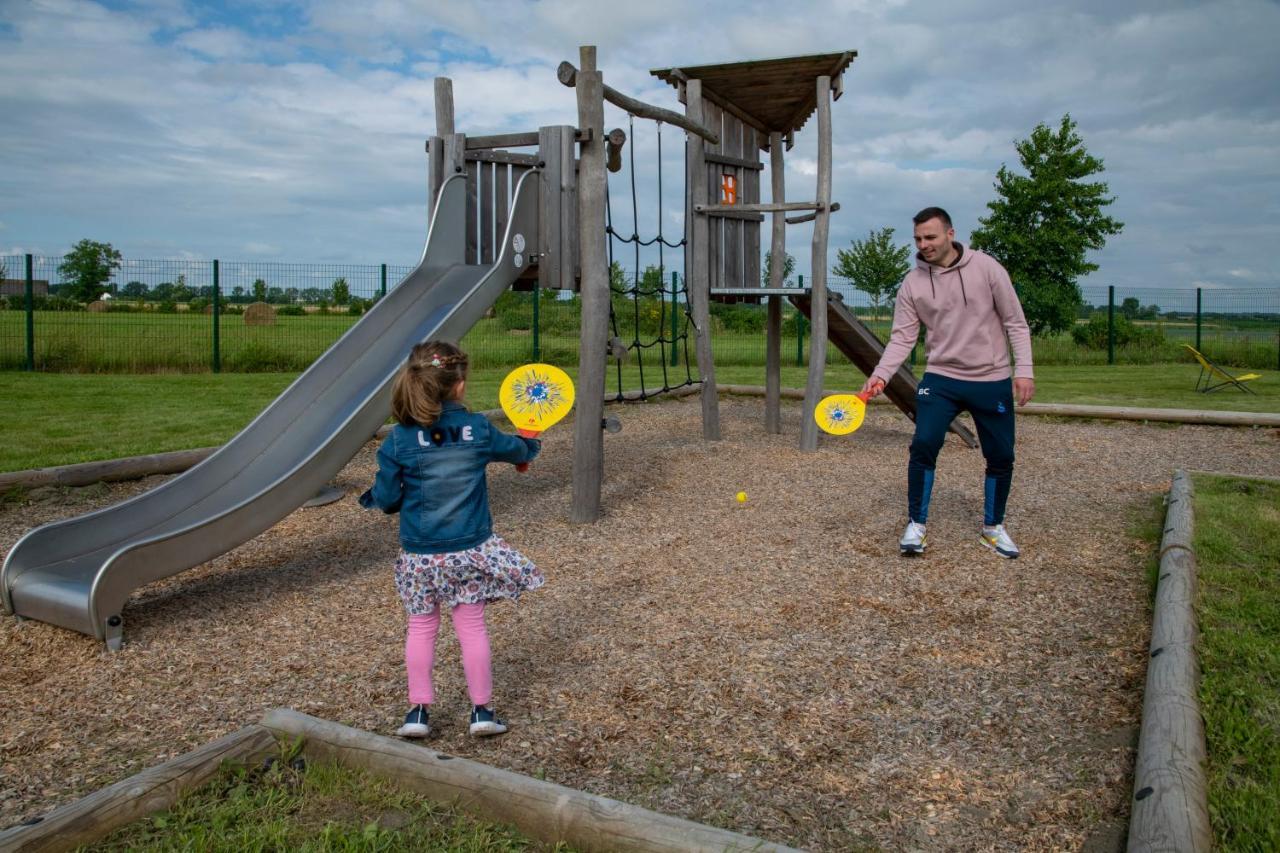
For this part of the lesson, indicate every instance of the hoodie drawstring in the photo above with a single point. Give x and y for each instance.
(934, 290)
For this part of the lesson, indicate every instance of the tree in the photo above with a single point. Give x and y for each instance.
(259, 290)
(87, 268)
(875, 266)
(1131, 307)
(341, 292)
(1043, 223)
(788, 267)
(134, 290)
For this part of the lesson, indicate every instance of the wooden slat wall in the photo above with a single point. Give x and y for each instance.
(731, 144)
(559, 213)
(473, 200)
(713, 117)
(488, 174)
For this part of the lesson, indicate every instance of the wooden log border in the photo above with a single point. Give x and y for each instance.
(542, 810)
(155, 789)
(1170, 792)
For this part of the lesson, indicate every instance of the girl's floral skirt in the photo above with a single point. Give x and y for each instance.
(490, 571)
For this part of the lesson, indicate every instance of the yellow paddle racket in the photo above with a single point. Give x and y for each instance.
(841, 414)
(535, 397)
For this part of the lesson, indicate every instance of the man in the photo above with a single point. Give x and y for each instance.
(971, 315)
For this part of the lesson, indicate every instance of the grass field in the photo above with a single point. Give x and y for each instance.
(1237, 542)
(151, 342)
(62, 418)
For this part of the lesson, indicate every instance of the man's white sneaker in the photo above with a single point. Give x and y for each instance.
(997, 539)
(913, 540)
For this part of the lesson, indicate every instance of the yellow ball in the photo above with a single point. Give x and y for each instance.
(742, 497)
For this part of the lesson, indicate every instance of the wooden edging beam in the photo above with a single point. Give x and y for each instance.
(1170, 792)
(542, 810)
(155, 789)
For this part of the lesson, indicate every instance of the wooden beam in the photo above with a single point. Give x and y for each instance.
(1170, 809)
(808, 217)
(491, 156)
(740, 162)
(567, 75)
(155, 789)
(613, 149)
(818, 268)
(765, 207)
(543, 810)
(588, 440)
(514, 140)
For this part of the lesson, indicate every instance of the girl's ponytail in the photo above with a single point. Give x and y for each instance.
(425, 382)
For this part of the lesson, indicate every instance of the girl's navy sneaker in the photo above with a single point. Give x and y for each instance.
(416, 723)
(485, 722)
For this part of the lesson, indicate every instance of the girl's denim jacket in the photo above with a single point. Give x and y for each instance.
(434, 477)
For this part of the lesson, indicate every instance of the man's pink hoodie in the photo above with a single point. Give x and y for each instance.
(967, 310)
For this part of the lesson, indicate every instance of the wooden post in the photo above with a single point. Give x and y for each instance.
(773, 320)
(588, 439)
(1170, 799)
(818, 270)
(699, 284)
(435, 145)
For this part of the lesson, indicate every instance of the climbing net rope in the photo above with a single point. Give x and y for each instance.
(654, 316)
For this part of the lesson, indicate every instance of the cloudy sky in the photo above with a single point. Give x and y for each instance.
(253, 130)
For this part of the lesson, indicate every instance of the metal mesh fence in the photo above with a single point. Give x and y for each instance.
(159, 317)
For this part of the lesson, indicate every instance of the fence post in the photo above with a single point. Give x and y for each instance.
(1111, 324)
(537, 321)
(1198, 346)
(31, 317)
(675, 329)
(217, 312)
(384, 280)
(800, 331)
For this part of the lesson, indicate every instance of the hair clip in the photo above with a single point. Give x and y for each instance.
(436, 361)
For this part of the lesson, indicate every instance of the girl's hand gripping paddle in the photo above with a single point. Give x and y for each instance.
(841, 414)
(535, 397)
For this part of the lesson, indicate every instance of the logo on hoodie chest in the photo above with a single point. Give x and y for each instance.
(445, 435)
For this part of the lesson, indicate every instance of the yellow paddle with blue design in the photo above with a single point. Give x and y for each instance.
(535, 397)
(841, 414)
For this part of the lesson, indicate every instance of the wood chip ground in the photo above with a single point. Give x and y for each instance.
(773, 667)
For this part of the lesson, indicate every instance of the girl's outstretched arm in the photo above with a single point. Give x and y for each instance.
(515, 449)
(388, 486)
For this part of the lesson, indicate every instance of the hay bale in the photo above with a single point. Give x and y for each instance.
(97, 306)
(259, 314)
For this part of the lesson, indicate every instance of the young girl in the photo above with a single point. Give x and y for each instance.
(431, 469)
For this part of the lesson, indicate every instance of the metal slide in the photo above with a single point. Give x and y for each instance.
(861, 346)
(79, 572)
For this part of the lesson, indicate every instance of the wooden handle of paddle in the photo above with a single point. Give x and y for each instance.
(526, 433)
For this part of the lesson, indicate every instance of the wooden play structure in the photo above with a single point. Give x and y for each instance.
(732, 113)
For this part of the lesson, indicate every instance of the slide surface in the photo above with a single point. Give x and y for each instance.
(861, 346)
(78, 573)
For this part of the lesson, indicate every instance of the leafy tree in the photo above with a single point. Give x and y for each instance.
(618, 281)
(312, 295)
(875, 266)
(259, 290)
(87, 268)
(1043, 223)
(788, 267)
(181, 293)
(237, 294)
(291, 294)
(1131, 307)
(341, 292)
(275, 295)
(134, 290)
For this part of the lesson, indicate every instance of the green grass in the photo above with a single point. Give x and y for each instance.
(62, 418)
(1237, 542)
(308, 809)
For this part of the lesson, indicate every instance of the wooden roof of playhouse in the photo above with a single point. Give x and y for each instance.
(771, 95)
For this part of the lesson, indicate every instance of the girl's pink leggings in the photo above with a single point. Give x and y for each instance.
(420, 653)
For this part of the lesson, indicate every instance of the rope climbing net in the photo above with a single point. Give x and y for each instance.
(642, 306)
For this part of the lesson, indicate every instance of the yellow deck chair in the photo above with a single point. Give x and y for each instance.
(1212, 377)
